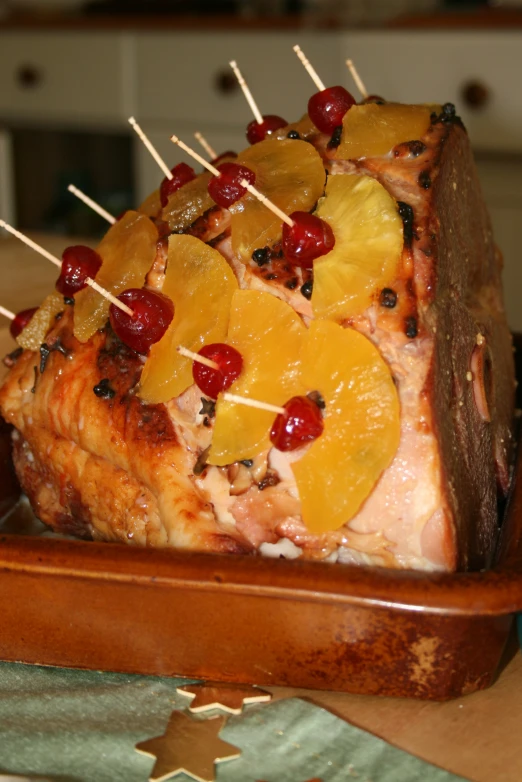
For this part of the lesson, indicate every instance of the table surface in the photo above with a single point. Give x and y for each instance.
(476, 737)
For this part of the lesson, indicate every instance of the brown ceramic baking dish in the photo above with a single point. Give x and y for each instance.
(249, 619)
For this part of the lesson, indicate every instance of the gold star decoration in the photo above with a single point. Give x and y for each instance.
(226, 697)
(188, 746)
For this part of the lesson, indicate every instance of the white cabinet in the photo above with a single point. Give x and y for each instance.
(439, 67)
(72, 78)
(179, 75)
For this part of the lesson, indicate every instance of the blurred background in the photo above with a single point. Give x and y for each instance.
(73, 71)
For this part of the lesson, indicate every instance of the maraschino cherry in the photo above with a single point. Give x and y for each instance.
(213, 381)
(78, 263)
(152, 314)
(226, 188)
(181, 174)
(21, 319)
(301, 423)
(257, 131)
(307, 239)
(327, 108)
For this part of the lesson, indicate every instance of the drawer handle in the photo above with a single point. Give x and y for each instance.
(226, 83)
(475, 94)
(29, 76)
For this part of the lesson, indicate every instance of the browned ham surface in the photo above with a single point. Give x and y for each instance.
(118, 469)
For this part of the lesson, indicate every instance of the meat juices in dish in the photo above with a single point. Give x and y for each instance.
(99, 461)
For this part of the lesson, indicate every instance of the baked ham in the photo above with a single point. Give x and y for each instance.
(108, 466)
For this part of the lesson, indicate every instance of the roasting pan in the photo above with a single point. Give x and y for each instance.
(107, 606)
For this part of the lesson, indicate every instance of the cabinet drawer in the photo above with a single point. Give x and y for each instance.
(184, 77)
(68, 77)
(418, 67)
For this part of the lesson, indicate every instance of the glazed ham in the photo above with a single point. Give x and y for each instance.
(98, 462)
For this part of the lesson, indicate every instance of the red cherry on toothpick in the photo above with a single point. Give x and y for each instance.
(308, 239)
(327, 108)
(226, 189)
(181, 174)
(212, 381)
(20, 321)
(301, 423)
(257, 131)
(78, 263)
(153, 313)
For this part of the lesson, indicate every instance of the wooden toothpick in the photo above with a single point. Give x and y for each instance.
(195, 155)
(152, 149)
(246, 92)
(243, 400)
(196, 357)
(57, 262)
(93, 205)
(309, 68)
(206, 146)
(7, 313)
(357, 79)
(29, 242)
(266, 202)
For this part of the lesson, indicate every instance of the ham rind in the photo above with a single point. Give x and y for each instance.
(118, 469)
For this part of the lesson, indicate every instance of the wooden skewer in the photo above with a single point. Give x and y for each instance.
(357, 79)
(196, 357)
(206, 146)
(309, 68)
(196, 156)
(246, 92)
(57, 262)
(243, 400)
(93, 205)
(266, 202)
(152, 149)
(7, 313)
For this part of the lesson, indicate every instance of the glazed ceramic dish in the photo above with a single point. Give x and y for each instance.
(249, 619)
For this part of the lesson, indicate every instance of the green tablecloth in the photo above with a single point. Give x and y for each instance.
(82, 726)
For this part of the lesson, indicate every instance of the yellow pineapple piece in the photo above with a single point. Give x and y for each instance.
(291, 174)
(372, 129)
(128, 250)
(368, 244)
(188, 203)
(152, 205)
(361, 426)
(36, 330)
(201, 284)
(268, 334)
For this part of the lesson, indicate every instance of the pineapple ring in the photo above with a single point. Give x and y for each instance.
(128, 250)
(361, 427)
(201, 284)
(290, 173)
(368, 245)
(268, 334)
(371, 129)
